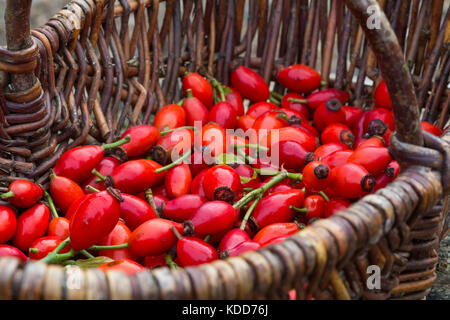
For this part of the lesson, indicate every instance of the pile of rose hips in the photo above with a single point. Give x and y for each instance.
(166, 205)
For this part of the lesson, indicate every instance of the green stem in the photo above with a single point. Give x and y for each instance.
(55, 257)
(189, 93)
(91, 188)
(290, 175)
(261, 190)
(251, 145)
(299, 210)
(34, 250)
(117, 143)
(170, 130)
(176, 233)
(100, 177)
(7, 195)
(247, 157)
(86, 254)
(175, 163)
(150, 199)
(276, 95)
(180, 103)
(207, 238)
(113, 247)
(304, 101)
(273, 100)
(170, 262)
(324, 196)
(249, 212)
(51, 204)
(219, 87)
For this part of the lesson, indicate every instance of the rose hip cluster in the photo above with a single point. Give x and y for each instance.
(165, 205)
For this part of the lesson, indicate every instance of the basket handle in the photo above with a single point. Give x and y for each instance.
(384, 44)
(18, 37)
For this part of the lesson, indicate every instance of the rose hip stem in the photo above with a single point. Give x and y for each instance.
(113, 247)
(117, 143)
(250, 145)
(249, 212)
(175, 163)
(151, 200)
(170, 262)
(324, 196)
(91, 188)
(51, 205)
(304, 101)
(299, 210)
(219, 88)
(261, 190)
(170, 130)
(55, 257)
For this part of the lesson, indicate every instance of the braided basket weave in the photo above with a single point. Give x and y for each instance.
(99, 66)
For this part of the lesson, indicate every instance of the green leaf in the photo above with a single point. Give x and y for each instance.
(92, 262)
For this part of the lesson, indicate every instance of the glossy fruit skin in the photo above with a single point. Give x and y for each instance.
(275, 230)
(59, 227)
(274, 208)
(247, 171)
(291, 154)
(316, 175)
(26, 193)
(328, 148)
(242, 247)
(234, 98)
(143, 138)
(31, 225)
(224, 114)
(300, 107)
(201, 88)
(306, 127)
(315, 204)
(305, 139)
(195, 111)
(10, 251)
(381, 96)
(259, 108)
(154, 237)
(135, 211)
(337, 158)
(381, 114)
(178, 180)
(374, 159)
(135, 176)
(176, 142)
(245, 122)
(374, 141)
(249, 84)
(351, 180)
(74, 207)
(183, 207)
(215, 139)
(198, 163)
(222, 182)
(351, 114)
(268, 121)
(119, 235)
(105, 167)
(431, 128)
(299, 78)
(337, 133)
(94, 219)
(381, 181)
(170, 116)
(328, 113)
(126, 266)
(392, 170)
(232, 238)
(78, 163)
(197, 184)
(45, 245)
(335, 205)
(193, 251)
(152, 262)
(8, 223)
(317, 98)
(212, 218)
(64, 192)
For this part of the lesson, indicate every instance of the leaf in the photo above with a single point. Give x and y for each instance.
(92, 262)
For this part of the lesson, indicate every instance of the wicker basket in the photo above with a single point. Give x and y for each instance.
(61, 86)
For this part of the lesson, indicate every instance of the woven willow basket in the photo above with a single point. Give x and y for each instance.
(99, 66)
